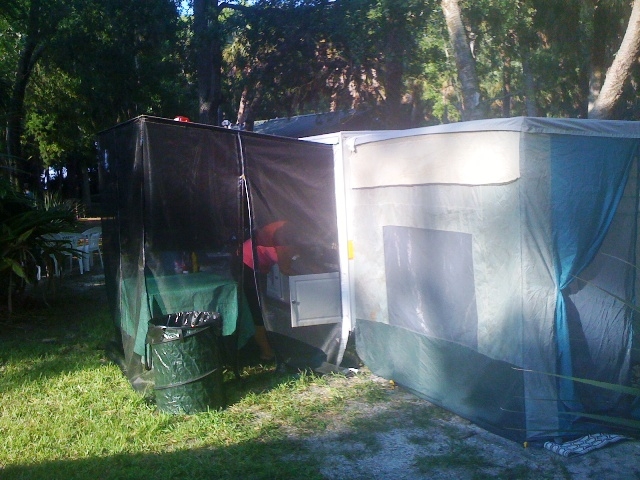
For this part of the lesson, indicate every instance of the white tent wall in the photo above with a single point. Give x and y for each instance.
(453, 273)
(467, 228)
(432, 189)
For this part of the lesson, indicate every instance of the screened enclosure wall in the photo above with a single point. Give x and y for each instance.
(183, 198)
(489, 257)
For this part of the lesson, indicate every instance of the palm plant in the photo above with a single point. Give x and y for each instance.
(24, 224)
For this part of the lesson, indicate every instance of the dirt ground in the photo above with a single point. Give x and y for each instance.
(398, 447)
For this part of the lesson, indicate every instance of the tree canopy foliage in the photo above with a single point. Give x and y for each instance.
(70, 68)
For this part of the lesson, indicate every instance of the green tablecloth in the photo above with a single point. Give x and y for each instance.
(183, 293)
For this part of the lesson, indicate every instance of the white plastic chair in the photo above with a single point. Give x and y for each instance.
(92, 238)
(51, 240)
(73, 241)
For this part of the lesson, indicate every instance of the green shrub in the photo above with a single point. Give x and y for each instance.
(24, 223)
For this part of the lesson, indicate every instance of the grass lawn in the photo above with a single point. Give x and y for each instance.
(67, 411)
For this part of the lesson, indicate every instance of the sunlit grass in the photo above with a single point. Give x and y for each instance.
(67, 412)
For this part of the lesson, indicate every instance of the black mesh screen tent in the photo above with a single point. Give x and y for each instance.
(181, 200)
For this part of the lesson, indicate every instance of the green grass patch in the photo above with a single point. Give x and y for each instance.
(68, 412)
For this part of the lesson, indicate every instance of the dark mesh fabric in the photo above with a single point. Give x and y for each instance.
(178, 212)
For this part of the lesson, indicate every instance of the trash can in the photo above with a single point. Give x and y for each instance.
(184, 355)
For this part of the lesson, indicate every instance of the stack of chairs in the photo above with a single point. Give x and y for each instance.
(81, 247)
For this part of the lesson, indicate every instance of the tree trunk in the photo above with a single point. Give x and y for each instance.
(208, 53)
(529, 88)
(472, 108)
(244, 107)
(247, 107)
(29, 55)
(417, 113)
(506, 86)
(393, 91)
(392, 68)
(620, 70)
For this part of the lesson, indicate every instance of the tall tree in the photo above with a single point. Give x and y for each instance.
(279, 58)
(104, 63)
(395, 23)
(472, 106)
(208, 52)
(291, 57)
(620, 70)
(497, 25)
(108, 62)
(35, 22)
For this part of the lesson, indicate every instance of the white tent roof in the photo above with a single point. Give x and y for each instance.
(485, 152)
(560, 126)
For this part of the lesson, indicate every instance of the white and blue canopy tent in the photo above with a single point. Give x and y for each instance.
(481, 261)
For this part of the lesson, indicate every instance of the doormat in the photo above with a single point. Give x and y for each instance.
(584, 444)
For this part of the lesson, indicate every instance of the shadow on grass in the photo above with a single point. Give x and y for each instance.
(272, 454)
(42, 340)
(46, 362)
(251, 460)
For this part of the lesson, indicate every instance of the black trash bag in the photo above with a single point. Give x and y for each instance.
(193, 319)
(175, 326)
